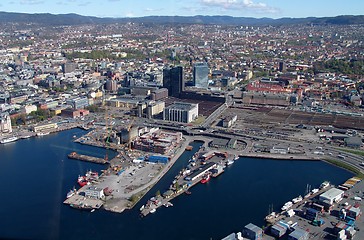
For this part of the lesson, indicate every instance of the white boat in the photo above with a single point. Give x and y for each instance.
(8, 140)
(93, 210)
(141, 208)
(324, 184)
(286, 206)
(297, 199)
(42, 133)
(168, 204)
(153, 210)
(25, 137)
(314, 190)
(236, 157)
(229, 162)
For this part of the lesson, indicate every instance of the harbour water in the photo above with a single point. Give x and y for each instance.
(35, 176)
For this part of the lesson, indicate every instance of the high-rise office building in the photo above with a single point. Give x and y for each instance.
(173, 81)
(200, 75)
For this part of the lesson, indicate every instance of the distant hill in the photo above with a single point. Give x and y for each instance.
(75, 19)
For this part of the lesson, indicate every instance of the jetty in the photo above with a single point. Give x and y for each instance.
(86, 158)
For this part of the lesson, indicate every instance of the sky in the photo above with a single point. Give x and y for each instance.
(236, 8)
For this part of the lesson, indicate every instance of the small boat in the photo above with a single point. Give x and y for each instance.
(229, 162)
(153, 210)
(142, 208)
(236, 157)
(189, 148)
(71, 192)
(93, 210)
(314, 191)
(206, 178)
(324, 184)
(286, 206)
(297, 199)
(168, 204)
(188, 192)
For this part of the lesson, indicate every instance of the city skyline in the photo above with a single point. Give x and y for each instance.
(236, 8)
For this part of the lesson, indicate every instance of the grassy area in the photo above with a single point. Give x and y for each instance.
(353, 151)
(347, 167)
(199, 120)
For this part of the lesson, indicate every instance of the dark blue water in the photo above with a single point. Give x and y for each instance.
(35, 176)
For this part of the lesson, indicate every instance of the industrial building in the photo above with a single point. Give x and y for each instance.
(258, 98)
(224, 143)
(158, 141)
(279, 229)
(181, 112)
(331, 196)
(94, 192)
(229, 121)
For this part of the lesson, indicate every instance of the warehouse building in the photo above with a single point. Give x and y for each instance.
(331, 196)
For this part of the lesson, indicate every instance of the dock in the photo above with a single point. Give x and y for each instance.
(76, 156)
(83, 203)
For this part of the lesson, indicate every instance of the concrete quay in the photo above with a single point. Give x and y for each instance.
(76, 156)
(83, 203)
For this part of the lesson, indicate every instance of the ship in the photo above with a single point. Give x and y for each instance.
(236, 157)
(153, 210)
(297, 199)
(8, 140)
(90, 175)
(286, 206)
(71, 192)
(42, 134)
(229, 162)
(324, 184)
(82, 181)
(189, 148)
(168, 204)
(81, 206)
(206, 178)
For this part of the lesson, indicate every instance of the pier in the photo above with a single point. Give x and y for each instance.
(76, 156)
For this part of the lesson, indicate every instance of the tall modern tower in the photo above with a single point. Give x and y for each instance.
(173, 81)
(200, 75)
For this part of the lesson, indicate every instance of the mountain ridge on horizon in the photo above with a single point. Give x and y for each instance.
(76, 19)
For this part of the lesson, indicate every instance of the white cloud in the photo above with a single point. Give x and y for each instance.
(31, 2)
(240, 5)
(153, 9)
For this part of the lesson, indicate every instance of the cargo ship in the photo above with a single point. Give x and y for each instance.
(8, 140)
(206, 178)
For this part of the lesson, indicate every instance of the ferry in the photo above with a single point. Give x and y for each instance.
(8, 140)
(206, 178)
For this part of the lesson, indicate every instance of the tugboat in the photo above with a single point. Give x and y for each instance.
(206, 178)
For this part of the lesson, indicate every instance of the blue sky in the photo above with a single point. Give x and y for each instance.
(239, 8)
